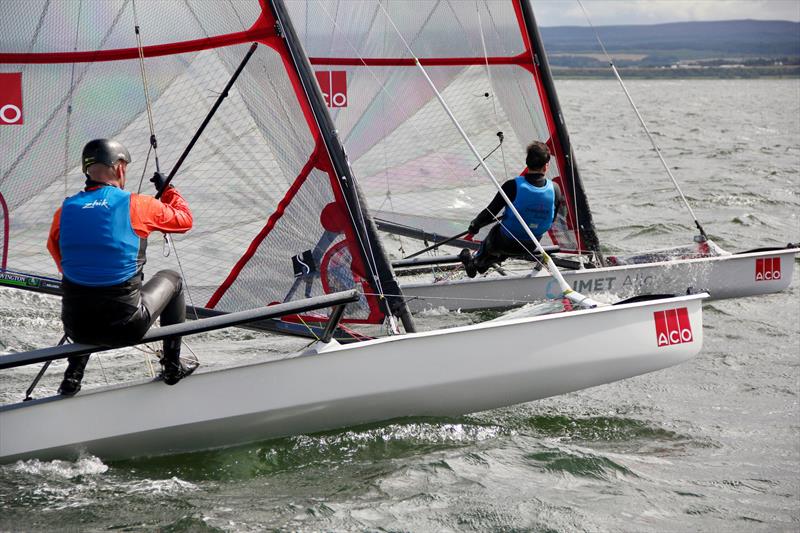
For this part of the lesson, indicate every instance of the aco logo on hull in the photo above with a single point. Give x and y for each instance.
(673, 326)
(768, 268)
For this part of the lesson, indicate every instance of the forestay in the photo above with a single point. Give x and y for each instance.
(484, 58)
(275, 219)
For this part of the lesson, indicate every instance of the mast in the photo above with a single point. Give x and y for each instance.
(583, 215)
(392, 301)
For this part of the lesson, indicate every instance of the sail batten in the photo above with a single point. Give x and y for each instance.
(520, 60)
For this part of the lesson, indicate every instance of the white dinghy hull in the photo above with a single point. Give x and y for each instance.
(728, 276)
(438, 373)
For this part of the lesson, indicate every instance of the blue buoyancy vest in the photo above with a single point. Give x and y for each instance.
(537, 207)
(98, 245)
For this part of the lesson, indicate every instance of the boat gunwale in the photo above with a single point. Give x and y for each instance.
(617, 268)
(335, 347)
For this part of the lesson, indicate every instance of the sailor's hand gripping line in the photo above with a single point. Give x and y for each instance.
(567, 291)
(160, 181)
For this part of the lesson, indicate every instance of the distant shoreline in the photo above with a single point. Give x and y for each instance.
(678, 73)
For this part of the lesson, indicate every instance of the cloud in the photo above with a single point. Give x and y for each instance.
(611, 12)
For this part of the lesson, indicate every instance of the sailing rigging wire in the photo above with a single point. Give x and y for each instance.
(509, 301)
(389, 97)
(355, 212)
(448, 166)
(169, 243)
(641, 120)
(492, 95)
(46, 123)
(69, 102)
(153, 142)
(568, 292)
(497, 124)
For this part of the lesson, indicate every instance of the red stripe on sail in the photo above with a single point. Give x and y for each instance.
(271, 221)
(256, 33)
(323, 159)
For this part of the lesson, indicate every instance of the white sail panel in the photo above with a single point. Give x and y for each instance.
(408, 155)
(258, 180)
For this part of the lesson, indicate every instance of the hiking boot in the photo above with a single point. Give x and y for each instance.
(174, 371)
(469, 263)
(73, 376)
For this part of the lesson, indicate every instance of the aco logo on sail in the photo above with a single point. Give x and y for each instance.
(673, 326)
(768, 268)
(10, 98)
(334, 87)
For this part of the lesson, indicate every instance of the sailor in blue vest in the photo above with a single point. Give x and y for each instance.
(98, 240)
(538, 201)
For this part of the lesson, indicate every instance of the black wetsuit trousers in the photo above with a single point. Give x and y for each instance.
(497, 247)
(122, 314)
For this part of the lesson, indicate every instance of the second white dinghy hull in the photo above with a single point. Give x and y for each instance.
(439, 373)
(726, 276)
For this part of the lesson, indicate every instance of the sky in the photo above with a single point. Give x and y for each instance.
(614, 12)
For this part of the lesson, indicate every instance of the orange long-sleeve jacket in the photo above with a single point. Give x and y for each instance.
(171, 214)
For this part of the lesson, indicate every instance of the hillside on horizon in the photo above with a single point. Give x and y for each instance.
(663, 44)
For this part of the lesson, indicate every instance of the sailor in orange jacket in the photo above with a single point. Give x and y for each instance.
(98, 240)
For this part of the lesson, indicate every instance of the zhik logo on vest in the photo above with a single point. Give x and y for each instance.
(95, 203)
(334, 87)
(10, 98)
(673, 326)
(768, 268)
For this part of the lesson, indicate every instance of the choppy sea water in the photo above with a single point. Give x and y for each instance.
(713, 444)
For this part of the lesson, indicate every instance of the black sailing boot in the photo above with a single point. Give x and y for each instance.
(469, 262)
(73, 375)
(174, 370)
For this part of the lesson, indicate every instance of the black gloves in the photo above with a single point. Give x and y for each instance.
(473, 228)
(158, 181)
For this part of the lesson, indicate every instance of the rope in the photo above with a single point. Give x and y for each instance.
(153, 141)
(102, 368)
(69, 103)
(465, 299)
(169, 243)
(420, 134)
(491, 86)
(566, 289)
(497, 123)
(309, 328)
(644, 125)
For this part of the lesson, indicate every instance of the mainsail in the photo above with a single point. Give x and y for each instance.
(486, 58)
(277, 213)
